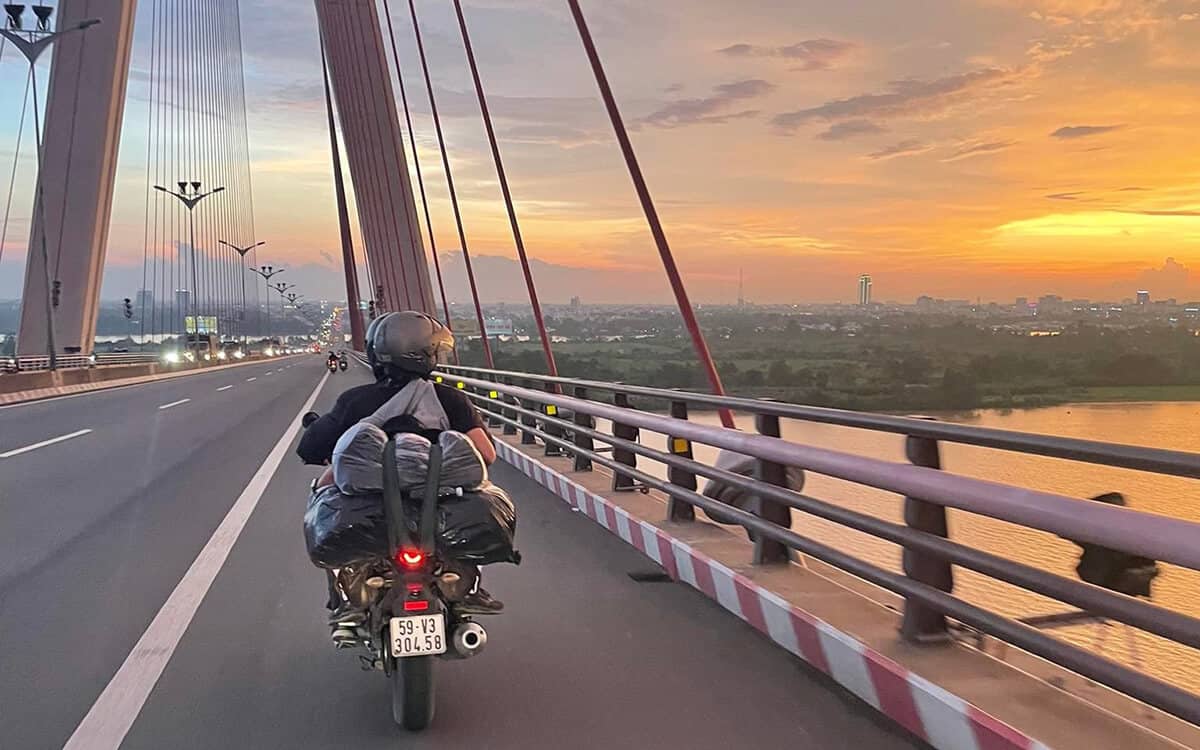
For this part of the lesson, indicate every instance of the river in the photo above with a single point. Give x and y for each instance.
(1162, 425)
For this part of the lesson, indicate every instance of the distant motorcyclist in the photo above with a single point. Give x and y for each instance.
(401, 347)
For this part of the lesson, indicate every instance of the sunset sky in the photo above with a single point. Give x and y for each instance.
(959, 148)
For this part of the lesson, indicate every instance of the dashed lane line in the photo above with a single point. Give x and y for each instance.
(43, 444)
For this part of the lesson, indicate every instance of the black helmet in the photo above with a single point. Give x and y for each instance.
(408, 342)
(370, 345)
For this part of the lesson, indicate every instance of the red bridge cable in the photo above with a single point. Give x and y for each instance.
(551, 367)
(656, 229)
(462, 237)
(412, 136)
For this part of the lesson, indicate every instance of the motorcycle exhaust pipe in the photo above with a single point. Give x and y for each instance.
(469, 639)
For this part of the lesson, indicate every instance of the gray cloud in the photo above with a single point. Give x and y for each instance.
(909, 97)
(968, 151)
(841, 131)
(710, 109)
(811, 54)
(1083, 131)
(909, 147)
(1064, 196)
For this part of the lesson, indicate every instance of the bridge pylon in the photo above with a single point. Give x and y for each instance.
(85, 107)
(370, 126)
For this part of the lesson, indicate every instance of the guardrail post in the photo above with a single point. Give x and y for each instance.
(528, 423)
(767, 551)
(509, 429)
(583, 442)
(921, 623)
(623, 482)
(494, 404)
(551, 429)
(677, 510)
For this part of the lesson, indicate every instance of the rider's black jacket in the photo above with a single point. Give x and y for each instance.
(316, 445)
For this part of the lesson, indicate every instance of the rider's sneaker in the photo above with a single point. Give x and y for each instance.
(480, 603)
(347, 616)
(344, 637)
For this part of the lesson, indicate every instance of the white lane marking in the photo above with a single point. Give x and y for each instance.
(174, 403)
(224, 388)
(251, 380)
(113, 713)
(43, 444)
(99, 391)
(268, 372)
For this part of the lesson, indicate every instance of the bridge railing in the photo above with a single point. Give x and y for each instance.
(562, 414)
(73, 361)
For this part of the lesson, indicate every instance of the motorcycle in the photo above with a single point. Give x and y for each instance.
(332, 365)
(343, 364)
(405, 606)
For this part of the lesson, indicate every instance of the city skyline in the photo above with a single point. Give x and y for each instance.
(979, 148)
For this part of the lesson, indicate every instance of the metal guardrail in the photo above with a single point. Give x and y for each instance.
(567, 424)
(1160, 461)
(73, 361)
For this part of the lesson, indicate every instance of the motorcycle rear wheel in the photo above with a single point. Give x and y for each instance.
(412, 692)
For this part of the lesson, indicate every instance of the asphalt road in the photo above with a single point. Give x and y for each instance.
(97, 532)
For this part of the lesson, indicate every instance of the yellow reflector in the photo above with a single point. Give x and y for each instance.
(551, 410)
(461, 385)
(679, 445)
(437, 379)
(493, 394)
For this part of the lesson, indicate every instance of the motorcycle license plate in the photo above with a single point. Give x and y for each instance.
(418, 635)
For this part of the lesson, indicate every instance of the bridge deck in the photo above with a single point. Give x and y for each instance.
(585, 657)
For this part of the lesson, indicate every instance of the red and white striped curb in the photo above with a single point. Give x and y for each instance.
(940, 718)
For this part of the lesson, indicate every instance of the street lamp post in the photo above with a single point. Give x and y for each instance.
(267, 272)
(32, 43)
(241, 251)
(281, 287)
(189, 194)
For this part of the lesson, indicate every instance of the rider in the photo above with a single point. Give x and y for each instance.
(331, 361)
(401, 347)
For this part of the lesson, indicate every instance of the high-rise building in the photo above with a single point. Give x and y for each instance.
(182, 308)
(864, 289)
(144, 301)
(576, 303)
(1143, 297)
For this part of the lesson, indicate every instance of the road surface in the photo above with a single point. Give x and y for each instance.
(99, 530)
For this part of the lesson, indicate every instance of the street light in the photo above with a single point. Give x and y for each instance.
(267, 272)
(241, 251)
(189, 195)
(281, 288)
(32, 43)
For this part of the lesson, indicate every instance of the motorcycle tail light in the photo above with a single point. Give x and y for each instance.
(416, 605)
(410, 558)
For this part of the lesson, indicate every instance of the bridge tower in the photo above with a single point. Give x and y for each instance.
(84, 108)
(387, 213)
